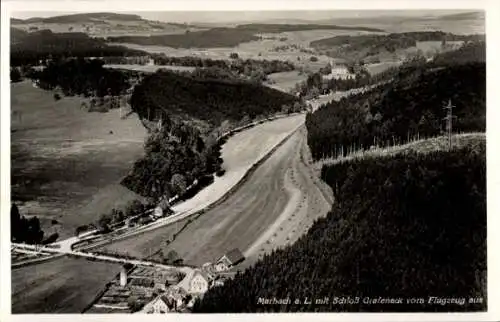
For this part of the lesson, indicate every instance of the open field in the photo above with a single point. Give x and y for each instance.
(65, 285)
(149, 68)
(310, 198)
(239, 153)
(66, 165)
(245, 216)
(378, 68)
(261, 49)
(286, 81)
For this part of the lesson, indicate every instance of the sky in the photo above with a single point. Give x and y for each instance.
(215, 16)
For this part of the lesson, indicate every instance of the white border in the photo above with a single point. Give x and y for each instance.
(493, 136)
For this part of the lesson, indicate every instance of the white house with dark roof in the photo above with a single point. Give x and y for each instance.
(229, 259)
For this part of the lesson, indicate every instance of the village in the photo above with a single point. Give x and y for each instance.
(143, 289)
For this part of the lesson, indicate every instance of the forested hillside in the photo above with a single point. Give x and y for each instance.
(407, 226)
(29, 48)
(210, 100)
(212, 38)
(411, 104)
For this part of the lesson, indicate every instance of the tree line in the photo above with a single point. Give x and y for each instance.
(410, 226)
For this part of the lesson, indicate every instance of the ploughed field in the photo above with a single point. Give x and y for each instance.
(66, 162)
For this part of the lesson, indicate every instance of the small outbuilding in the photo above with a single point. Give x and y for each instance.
(229, 260)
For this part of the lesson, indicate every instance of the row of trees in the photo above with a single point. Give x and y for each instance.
(408, 106)
(409, 226)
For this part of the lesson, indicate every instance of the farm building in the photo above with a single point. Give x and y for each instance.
(199, 283)
(228, 260)
(173, 300)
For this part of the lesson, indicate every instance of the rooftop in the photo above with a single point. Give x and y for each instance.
(235, 256)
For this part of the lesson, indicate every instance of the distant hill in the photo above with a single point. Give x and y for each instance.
(212, 38)
(81, 18)
(225, 37)
(29, 48)
(277, 28)
(479, 15)
(16, 21)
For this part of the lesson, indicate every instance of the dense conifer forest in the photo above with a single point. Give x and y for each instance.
(405, 226)
(211, 100)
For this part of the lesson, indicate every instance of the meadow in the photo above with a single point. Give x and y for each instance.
(66, 162)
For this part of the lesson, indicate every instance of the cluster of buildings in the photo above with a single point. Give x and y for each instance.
(150, 290)
(181, 297)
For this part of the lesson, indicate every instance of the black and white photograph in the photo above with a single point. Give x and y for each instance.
(270, 161)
